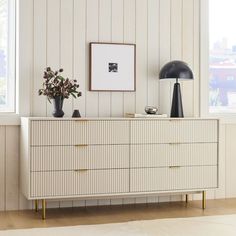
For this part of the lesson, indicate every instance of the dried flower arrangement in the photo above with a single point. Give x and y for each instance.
(55, 85)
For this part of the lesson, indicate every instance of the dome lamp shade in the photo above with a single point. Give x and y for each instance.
(176, 70)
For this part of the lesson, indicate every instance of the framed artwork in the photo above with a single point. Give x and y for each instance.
(112, 67)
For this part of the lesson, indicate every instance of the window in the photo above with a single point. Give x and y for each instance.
(222, 60)
(7, 55)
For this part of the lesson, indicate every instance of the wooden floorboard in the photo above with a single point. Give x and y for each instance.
(113, 214)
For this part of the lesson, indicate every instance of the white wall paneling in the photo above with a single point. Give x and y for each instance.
(163, 30)
(2, 168)
(117, 35)
(105, 35)
(164, 46)
(129, 37)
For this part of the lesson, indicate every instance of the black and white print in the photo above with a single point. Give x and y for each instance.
(113, 67)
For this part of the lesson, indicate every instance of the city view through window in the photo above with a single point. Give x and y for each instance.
(3, 51)
(222, 33)
(7, 55)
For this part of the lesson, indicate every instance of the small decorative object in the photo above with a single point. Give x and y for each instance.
(58, 88)
(112, 67)
(151, 110)
(138, 115)
(76, 114)
(176, 70)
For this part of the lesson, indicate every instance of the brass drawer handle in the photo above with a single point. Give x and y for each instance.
(81, 120)
(81, 145)
(174, 167)
(81, 170)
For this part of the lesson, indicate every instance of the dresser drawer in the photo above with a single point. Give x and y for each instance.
(165, 155)
(72, 183)
(72, 132)
(173, 131)
(49, 158)
(166, 179)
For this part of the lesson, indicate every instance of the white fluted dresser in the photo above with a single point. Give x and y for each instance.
(117, 157)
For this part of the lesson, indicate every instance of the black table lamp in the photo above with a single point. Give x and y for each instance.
(176, 70)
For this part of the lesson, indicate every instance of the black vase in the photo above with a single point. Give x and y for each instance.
(58, 104)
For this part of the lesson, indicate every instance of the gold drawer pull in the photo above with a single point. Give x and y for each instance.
(81, 145)
(174, 167)
(81, 170)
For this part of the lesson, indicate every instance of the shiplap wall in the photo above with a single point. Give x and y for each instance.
(56, 33)
(163, 30)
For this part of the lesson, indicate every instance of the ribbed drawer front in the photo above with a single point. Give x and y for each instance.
(162, 155)
(48, 158)
(69, 132)
(173, 131)
(165, 179)
(72, 183)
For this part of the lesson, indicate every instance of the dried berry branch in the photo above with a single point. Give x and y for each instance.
(55, 85)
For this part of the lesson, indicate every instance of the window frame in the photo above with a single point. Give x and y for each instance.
(204, 67)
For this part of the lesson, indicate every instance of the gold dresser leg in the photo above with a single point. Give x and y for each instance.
(36, 207)
(186, 198)
(43, 209)
(203, 200)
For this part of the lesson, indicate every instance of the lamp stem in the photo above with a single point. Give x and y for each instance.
(177, 107)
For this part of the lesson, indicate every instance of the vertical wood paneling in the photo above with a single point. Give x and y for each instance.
(220, 193)
(142, 53)
(25, 56)
(40, 52)
(12, 170)
(92, 99)
(165, 51)
(105, 31)
(176, 29)
(117, 36)
(153, 59)
(2, 168)
(53, 40)
(176, 46)
(230, 150)
(67, 55)
(80, 52)
(129, 37)
(66, 46)
(196, 62)
(162, 29)
(188, 55)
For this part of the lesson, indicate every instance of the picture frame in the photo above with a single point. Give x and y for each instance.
(112, 67)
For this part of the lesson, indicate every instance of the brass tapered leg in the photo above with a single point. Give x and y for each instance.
(43, 209)
(36, 207)
(203, 200)
(186, 198)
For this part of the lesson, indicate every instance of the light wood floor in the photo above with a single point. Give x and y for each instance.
(112, 214)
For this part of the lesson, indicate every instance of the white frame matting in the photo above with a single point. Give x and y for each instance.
(112, 67)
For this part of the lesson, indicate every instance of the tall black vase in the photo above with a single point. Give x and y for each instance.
(58, 104)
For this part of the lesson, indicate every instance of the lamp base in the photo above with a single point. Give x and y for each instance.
(177, 107)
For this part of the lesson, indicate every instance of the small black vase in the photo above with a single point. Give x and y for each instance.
(58, 104)
(76, 114)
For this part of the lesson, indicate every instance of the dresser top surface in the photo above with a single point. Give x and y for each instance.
(113, 118)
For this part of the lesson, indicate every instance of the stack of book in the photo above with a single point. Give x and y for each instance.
(137, 115)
